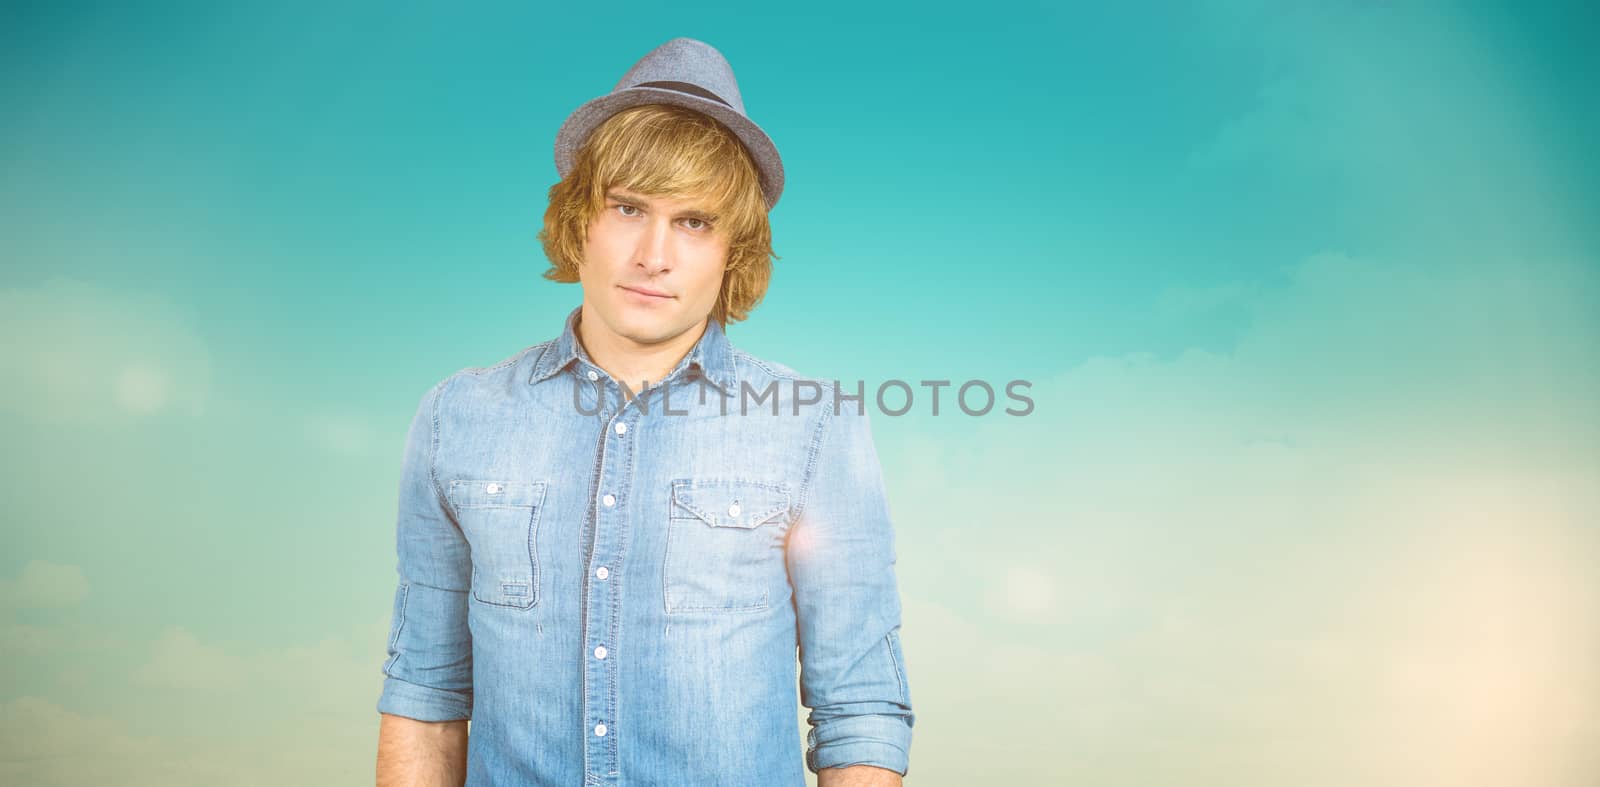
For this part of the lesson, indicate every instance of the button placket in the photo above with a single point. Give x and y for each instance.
(602, 618)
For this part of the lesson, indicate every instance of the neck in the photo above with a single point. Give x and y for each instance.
(630, 362)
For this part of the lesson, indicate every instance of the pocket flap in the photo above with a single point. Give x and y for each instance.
(730, 503)
(465, 493)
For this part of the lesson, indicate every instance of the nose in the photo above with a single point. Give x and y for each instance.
(654, 252)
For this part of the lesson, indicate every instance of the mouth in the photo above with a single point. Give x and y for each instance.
(644, 292)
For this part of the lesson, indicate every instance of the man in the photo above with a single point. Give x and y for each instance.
(612, 544)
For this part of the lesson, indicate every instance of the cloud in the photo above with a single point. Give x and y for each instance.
(179, 660)
(189, 711)
(41, 584)
(1354, 548)
(46, 744)
(1408, 122)
(87, 354)
(333, 675)
(340, 433)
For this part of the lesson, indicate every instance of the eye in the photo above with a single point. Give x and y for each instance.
(625, 209)
(704, 225)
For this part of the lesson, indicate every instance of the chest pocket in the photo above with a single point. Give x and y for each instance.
(725, 544)
(501, 522)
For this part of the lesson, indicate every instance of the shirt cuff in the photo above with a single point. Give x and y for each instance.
(402, 698)
(883, 741)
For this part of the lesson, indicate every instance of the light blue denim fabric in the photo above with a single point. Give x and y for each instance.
(623, 597)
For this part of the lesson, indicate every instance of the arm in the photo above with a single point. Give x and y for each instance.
(841, 563)
(858, 776)
(415, 753)
(427, 685)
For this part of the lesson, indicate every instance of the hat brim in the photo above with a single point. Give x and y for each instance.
(585, 119)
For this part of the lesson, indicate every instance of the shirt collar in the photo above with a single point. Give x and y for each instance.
(711, 355)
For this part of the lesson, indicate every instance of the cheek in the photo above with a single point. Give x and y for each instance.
(711, 282)
(602, 244)
(718, 266)
(600, 259)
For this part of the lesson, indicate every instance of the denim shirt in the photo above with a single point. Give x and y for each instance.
(621, 591)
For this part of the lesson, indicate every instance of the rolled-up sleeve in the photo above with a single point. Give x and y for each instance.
(428, 674)
(841, 559)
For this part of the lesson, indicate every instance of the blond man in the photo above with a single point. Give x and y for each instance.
(611, 562)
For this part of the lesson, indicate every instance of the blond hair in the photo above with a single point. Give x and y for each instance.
(667, 150)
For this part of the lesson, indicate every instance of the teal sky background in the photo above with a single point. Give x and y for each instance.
(1309, 296)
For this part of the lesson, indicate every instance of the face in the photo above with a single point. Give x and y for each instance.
(652, 266)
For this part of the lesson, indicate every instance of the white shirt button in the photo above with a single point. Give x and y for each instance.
(609, 500)
(593, 376)
(733, 510)
(602, 572)
(600, 652)
(600, 730)
(493, 489)
(622, 428)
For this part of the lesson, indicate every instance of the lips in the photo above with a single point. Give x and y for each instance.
(646, 291)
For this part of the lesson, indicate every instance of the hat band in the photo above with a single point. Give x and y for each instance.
(686, 87)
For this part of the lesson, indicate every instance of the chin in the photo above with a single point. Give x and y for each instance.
(641, 326)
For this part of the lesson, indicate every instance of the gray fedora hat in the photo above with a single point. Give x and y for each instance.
(687, 73)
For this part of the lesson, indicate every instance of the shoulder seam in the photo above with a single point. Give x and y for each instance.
(774, 372)
(517, 356)
(809, 474)
(433, 448)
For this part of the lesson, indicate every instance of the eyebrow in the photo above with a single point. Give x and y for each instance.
(639, 202)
